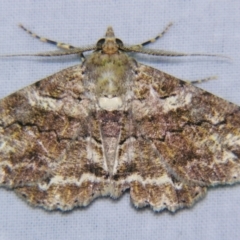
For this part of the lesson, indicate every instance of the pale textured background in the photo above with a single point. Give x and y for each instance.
(200, 26)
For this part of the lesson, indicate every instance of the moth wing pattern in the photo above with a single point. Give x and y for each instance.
(187, 138)
(178, 141)
(112, 124)
(44, 140)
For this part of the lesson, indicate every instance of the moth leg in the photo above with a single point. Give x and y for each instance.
(78, 51)
(42, 39)
(155, 38)
(138, 48)
(202, 80)
(165, 53)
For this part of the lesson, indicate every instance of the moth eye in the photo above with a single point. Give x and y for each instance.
(100, 43)
(119, 42)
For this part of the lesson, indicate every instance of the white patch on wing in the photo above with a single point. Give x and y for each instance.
(59, 180)
(174, 102)
(46, 103)
(152, 181)
(232, 139)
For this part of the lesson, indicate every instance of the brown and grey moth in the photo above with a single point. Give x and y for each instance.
(111, 124)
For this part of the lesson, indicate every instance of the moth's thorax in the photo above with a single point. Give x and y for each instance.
(109, 76)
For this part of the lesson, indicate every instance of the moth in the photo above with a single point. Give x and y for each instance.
(111, 124)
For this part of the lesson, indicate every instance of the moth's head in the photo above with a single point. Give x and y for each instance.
(109, 45)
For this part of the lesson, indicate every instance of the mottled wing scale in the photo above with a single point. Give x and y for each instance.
(188, 140)
(112, 124)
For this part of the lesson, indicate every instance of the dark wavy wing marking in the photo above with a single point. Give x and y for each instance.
(46, 152)
(176, 140)
(183, 140)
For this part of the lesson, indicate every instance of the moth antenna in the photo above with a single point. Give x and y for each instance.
(160, 35)
(43, 39)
